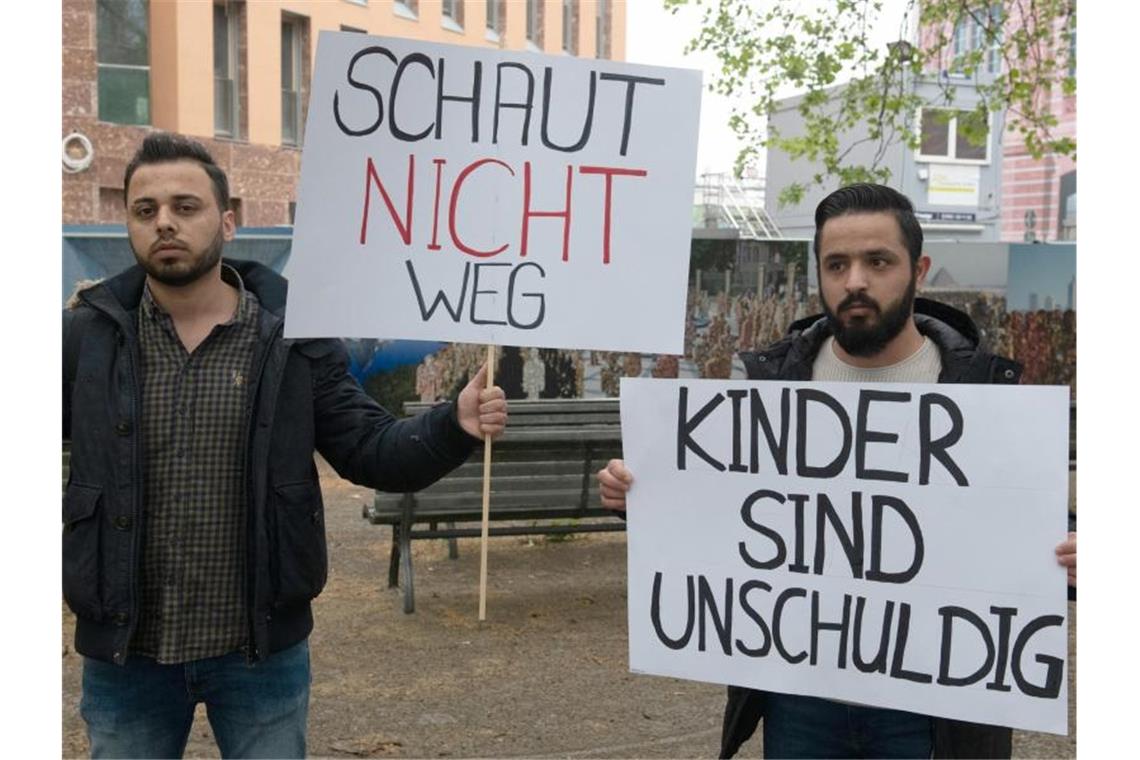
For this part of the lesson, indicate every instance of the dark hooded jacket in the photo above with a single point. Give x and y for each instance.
(963, 361)
(301, 399)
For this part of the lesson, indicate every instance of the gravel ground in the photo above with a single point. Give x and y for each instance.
(545, 676)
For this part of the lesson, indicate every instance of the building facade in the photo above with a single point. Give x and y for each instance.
(236, 75)
(955, 185)
(1038, 195)
(988, 192)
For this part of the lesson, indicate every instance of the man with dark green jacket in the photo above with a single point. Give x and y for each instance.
(194, 534)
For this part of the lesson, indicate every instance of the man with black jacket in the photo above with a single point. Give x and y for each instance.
(193, 524)
(868, 247)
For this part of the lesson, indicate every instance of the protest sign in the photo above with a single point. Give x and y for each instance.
(489, 196)
(886, 544)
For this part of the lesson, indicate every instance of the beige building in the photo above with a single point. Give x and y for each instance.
(236, 74)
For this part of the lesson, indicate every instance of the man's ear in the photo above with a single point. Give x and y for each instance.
(921, 267)
(229, 225)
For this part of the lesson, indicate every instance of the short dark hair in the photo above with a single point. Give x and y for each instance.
(162, 147)
(864, 197)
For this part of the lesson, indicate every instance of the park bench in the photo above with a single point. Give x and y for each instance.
(542, 483)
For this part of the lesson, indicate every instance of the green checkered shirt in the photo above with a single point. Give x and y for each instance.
(193, 422)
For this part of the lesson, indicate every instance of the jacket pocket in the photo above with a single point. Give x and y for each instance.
(82, 550)
(300, 551)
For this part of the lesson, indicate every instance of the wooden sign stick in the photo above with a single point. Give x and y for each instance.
(486, 497)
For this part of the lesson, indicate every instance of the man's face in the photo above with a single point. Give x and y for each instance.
(175, 227)
(866, 280)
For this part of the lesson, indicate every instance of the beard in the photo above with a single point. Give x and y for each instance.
(867, 337)
(181, 273)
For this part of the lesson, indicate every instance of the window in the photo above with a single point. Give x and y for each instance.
(963, 36)
(123, 60)
(601, 29)
(569, 27)
(943, 141)
(534, 22)
(452, 15)
(980, 29)
(997, 36)
(407, 9)
(1067, 203)
(227, 31)
(1072, 46)
(494, 17)
(292, 36)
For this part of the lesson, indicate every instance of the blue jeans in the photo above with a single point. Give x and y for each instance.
(802, 727)
(144, 709)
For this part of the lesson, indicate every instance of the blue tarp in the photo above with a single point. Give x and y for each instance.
(92, 252)
(97, 251)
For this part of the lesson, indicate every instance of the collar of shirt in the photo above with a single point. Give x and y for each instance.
(153, 309)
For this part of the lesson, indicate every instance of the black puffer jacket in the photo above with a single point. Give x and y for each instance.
(301, 399)
(963, 361)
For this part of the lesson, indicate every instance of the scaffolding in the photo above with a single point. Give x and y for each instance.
(725, 202)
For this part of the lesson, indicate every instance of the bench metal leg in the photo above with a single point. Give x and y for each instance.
(406, 561)
(452, 543)
(405, 547)
(394, 559)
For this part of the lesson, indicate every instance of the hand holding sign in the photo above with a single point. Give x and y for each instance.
(614, 482)
(496, 197)
(1067, 556)
(482, 411)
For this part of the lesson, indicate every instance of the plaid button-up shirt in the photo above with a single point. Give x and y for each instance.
(194, 542)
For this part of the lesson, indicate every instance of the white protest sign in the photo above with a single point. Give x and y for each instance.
(490, 196)
(887, 544)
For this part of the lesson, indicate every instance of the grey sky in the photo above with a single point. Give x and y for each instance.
(656, 37)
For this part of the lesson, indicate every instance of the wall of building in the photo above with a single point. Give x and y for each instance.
(1032, 187)
(911, 174)
(263, 172)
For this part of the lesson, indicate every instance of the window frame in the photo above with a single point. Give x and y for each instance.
(493, 21)
(406, 9)
(533, 29)
(233, 31)
(569, 28)
(101, 66)
(295, 25)
(601, 39)
(964, 32)
(995, 13)
(451, 15)
(952, 140)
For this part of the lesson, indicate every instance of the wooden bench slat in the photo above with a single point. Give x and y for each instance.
(516, 512)
(460, 488)
(540, 467)
(555, 497)
(522, 407)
